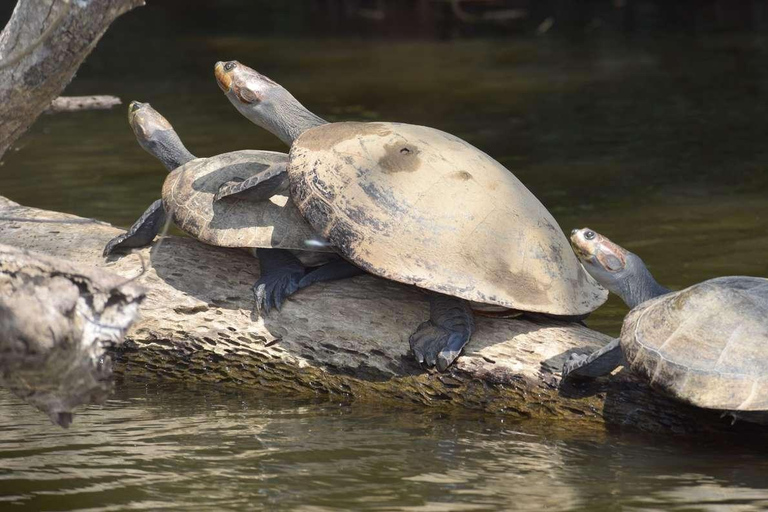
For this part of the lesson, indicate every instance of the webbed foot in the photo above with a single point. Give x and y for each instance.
(142, 232)
(439, 341)
(281, 273)
(598, 363)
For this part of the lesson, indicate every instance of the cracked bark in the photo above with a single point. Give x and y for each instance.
(28, 86)
(57, 320)
(344, 339)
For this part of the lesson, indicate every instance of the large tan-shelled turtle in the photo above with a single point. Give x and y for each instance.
(214, 200)
(422, 207)
(706, 345)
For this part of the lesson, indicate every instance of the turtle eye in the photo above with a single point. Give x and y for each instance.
(229, 66)
(589, 234)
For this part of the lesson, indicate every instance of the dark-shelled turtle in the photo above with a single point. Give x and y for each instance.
(422, 207)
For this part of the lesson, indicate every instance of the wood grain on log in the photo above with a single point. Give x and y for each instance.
(346, 338)
(41, 48)
(57, 321)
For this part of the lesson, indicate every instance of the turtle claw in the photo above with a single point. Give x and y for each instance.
(439, 341)
(271, 290)
(142, 232)
(429, 344)
(446, 358)
(114, 244)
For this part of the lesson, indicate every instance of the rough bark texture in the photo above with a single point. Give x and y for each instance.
(29, 85)
(57, 321)
(346, 338)
(77, 103)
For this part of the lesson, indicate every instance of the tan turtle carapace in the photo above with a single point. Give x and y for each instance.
(422, 207)
(706, 345)
(214, 200)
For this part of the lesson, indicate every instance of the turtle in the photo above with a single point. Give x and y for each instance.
(214, 200)
(422, 207)
(706, 345)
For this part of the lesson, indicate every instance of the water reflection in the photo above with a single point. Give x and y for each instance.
(186, 448)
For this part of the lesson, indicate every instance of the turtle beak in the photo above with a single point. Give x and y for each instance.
(223, 77)
(582, 247)
(133, 109)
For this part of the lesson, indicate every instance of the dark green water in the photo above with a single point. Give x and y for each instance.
(659, 144)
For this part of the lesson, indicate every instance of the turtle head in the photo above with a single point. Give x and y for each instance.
(615, 268)
(156, 135)
(263, 101)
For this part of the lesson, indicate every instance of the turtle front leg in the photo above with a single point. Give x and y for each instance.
(142, 232)
(440, 340)
(273, 179)
(598, 363)
(283, 274)
(337, 269)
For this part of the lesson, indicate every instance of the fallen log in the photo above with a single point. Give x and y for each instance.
(78, 103)
(343, 339)
(57, 321)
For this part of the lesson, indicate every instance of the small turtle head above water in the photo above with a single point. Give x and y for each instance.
(614, 267)
(156, 135)
(263, 101)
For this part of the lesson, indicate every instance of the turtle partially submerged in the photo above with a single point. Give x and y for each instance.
(214, 200)
(706, 345)
(422, 207)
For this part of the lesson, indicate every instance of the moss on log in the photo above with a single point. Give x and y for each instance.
(345, 338)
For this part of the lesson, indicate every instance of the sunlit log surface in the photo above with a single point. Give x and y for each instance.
(57, 321)
(346, 339)
(41, 48)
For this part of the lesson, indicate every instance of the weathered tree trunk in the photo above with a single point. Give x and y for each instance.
(41, 48)
(57, 321)
(343, 338)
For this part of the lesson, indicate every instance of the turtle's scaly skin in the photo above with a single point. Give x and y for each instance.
(420, 206)
(189, 191)
(706, 345)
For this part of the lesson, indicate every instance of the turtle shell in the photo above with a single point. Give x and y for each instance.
(188, 193)
(420, 206)
(706, 345)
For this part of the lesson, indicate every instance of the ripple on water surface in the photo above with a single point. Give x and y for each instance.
(181, 448)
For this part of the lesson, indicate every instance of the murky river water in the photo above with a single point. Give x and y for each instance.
(660, 145)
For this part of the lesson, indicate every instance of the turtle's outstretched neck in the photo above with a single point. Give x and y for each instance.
(264, 102)
(156, 135)
(283, 116)
(615, 268)
(639, 285)
(167, 147)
